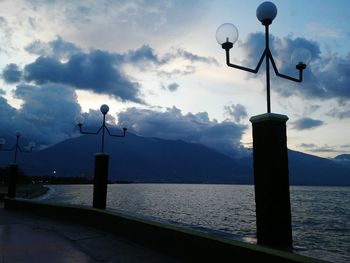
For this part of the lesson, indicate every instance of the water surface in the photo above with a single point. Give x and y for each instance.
(320, 215)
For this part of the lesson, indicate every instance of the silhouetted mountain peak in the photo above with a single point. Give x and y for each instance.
(143, 159)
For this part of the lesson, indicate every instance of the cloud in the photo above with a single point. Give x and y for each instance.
(63, 62)
(97, 71)
(48, 112)
(58, 49)
(6, 114)
(306, 123)
(171, 87)
(347, 145)
(308, 145)
(194, 57)
(11, 74)
(46, 115)
(327, 76)
(6, 34)
(340, 113)
(93, 119)
(187, 70)
(145, 55)
(322, 30)
(195, 128)
(319, 149)
(237, 112)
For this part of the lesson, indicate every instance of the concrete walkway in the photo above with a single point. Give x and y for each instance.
(27, 238)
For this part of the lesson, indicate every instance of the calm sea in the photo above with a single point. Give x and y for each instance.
(320, 215)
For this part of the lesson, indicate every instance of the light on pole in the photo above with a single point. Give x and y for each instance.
(16, 148)
(227, 35)
(104, 110)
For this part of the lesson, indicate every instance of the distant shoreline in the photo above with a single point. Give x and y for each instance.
(29, 191)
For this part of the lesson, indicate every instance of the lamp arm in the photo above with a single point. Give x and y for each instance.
(115, 135)
(300, 79)
(85, 132)
(228, 63)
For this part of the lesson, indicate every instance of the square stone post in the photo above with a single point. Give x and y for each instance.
(100, 180)
(12, 180)
(271, 181)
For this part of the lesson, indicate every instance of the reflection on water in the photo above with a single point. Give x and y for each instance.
(320, 215)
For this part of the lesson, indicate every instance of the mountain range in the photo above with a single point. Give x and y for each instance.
(143, 159)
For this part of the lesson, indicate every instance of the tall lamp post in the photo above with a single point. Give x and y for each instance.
(271, 180)
(13, 167)
(101, 160)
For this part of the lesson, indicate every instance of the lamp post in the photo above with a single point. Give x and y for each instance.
(101, 160)
(13, 167)
(270, 153)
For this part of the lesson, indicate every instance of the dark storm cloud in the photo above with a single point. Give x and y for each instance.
(63, 62)
(96, 71)
(326, 76)
(48, 112)
(46, 115)
(196, 128)
(11, 74)
(306, 123)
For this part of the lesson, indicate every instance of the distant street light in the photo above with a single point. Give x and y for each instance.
(16, 148)
(227, 35)
(104, 110)
(13, 167)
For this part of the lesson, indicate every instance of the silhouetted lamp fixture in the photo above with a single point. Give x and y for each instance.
(104, 110)
(16, 148)
(227, 35)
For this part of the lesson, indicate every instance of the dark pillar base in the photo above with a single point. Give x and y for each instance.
(12, 180)
(273, 215)
(100, 180)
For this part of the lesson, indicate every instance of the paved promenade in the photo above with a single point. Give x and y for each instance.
(27, 238)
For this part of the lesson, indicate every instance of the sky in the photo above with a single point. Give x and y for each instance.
(158, 66)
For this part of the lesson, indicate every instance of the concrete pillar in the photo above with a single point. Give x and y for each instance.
(273, 215)
(100, 180)
(12, 180)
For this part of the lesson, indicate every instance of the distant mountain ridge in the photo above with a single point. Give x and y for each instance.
(143, 159)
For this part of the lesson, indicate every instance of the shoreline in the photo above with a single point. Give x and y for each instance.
(28, 191)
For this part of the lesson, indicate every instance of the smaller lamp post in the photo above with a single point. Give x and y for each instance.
(101, 160)
(13, 167)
